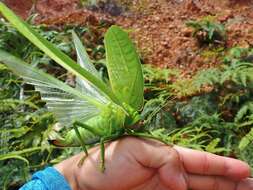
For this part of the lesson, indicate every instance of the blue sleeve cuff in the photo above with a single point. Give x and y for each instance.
(47, 179)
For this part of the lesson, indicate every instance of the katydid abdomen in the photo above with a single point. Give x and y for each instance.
(109, 123)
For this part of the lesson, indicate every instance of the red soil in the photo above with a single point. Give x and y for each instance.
(158, 26)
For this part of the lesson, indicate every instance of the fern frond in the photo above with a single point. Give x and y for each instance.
(213, 146)
(240, 73)
(207, 77)
(246, 140)
(183, 88)
(208, 31)
(11, 104)
(245, 110)
(155, 74)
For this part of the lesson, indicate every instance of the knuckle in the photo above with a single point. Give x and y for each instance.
(173, 154)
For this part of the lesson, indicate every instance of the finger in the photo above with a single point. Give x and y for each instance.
(197, 182)
(246, 184)
(165, 161)
(198, 162)
(172, 173)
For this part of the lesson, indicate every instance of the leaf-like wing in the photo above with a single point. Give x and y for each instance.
(54, 53)
(83, 57)
(84, 61)
(65, 102)
(124, 67)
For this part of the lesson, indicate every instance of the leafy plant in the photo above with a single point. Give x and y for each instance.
(208, 31)
(154, 74)
(156, 115)
(197, 106)
(182, 88)
(204, 133)
(12, 41)
(246, 109)
(246, 154)
(246, 140)
(237, 69)
(209, 77)
(25, 129)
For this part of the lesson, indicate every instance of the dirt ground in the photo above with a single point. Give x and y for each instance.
(157, 26)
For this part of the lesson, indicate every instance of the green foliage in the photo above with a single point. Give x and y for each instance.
(239, 73)
(209, 77)
(10, 85)
(157, 81)
(183, 87)
(246, 140)
(88, 2)
(25, 130)
(207, 132)
(195, 107)
(12, 41)
(154, 74)
(8, 105)
(238, 54)
(246, 154)
(213, 110)
(246, 109)
(156, 115)
(213, 146)
(237, 69)
(207, 31)
(217, 133)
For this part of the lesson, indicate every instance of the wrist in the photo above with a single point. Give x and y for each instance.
(67, 169)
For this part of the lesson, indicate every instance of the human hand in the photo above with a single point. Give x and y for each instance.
(137, 164)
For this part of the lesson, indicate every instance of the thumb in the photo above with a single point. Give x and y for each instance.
(166, 161)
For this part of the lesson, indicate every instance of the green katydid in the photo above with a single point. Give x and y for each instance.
(98, 112)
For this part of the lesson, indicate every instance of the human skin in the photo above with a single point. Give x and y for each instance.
(138, 164)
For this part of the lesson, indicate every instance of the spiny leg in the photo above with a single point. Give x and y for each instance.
(102, 142)
(80, 163)
(93, 131)
(80, 139)
(102, 154)
(102, 149)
